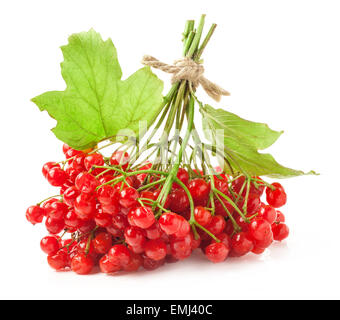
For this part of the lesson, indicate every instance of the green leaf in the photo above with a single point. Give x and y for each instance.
(241, 140)
(97, 104)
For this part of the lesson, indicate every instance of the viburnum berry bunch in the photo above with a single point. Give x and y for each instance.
(152, 201)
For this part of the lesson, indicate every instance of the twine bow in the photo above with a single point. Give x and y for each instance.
(188, 69)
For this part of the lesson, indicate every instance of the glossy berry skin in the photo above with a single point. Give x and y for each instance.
(199, 190)
(280, 217)
(170, 222)
(120, 158)
(86, 182)
(179, 201)
(50, 245)
(181, 248)
(119, 255)
(154, 232)
(202, 216)
(47, 167)
(82, 264)
(134, 236)
(128, 198)
(253, 204)
(184, 228)
(280, 231)
(94, 159)
(238, 183)
(85, 206)
(241, 244)
(57, 210)
(102, 242)
(260, 229)
(58, 261)
(35, 214)
(70, 195)
(70, 153)
(217, 225)
(120, 222)
(135, 263)
(142, 217)
(216, 252)
(276, 198)
(268, 213)
(183, 176)
(56, 176)
(72, 221)
(54, 226)
(103, 219)
(155, 249)
(107, 267)
(107, 195)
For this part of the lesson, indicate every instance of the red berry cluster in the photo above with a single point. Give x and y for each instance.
(115, 220)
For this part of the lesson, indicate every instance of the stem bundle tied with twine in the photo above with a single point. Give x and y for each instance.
(187, 69)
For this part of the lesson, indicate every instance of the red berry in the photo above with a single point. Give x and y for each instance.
(102, 242)
(154, 232)
(120, 222)
(258, 250)
(103, 219)
(179, 201)
(54, 226)
(134, 236)
(225, 239)
(107, 267)
(70, 195)
(85, 206)
(241, 244)
(216, 252)
(86, 182)
(202, 216)
(56, 176)
(70, 153)
(35, 214)
(107, 195)
(120, 158)
(47, 167)
(260, 229)
(268, 213)
(170, 222)
(150, 264)
(280, 231)
(277, 197)
(94, 159)
(58, 261)
(119, 255)
(184, 228)
(128, 198)
(50, 245)
(142, 217)
(217, 225)
(155, 249)
(181, 248)
(280, 217)
(57, 210)
(82, 264)
(183, 176)
(66, 147)
(199, 190)
(135, 263)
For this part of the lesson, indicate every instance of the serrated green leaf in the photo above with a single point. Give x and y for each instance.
(241, 141)
(97, 104)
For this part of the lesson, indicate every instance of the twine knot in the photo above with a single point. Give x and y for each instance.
(188, 69)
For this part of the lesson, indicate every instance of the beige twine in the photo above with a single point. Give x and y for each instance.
(187, 69)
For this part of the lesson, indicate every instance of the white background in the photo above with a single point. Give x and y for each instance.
(281, 62)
